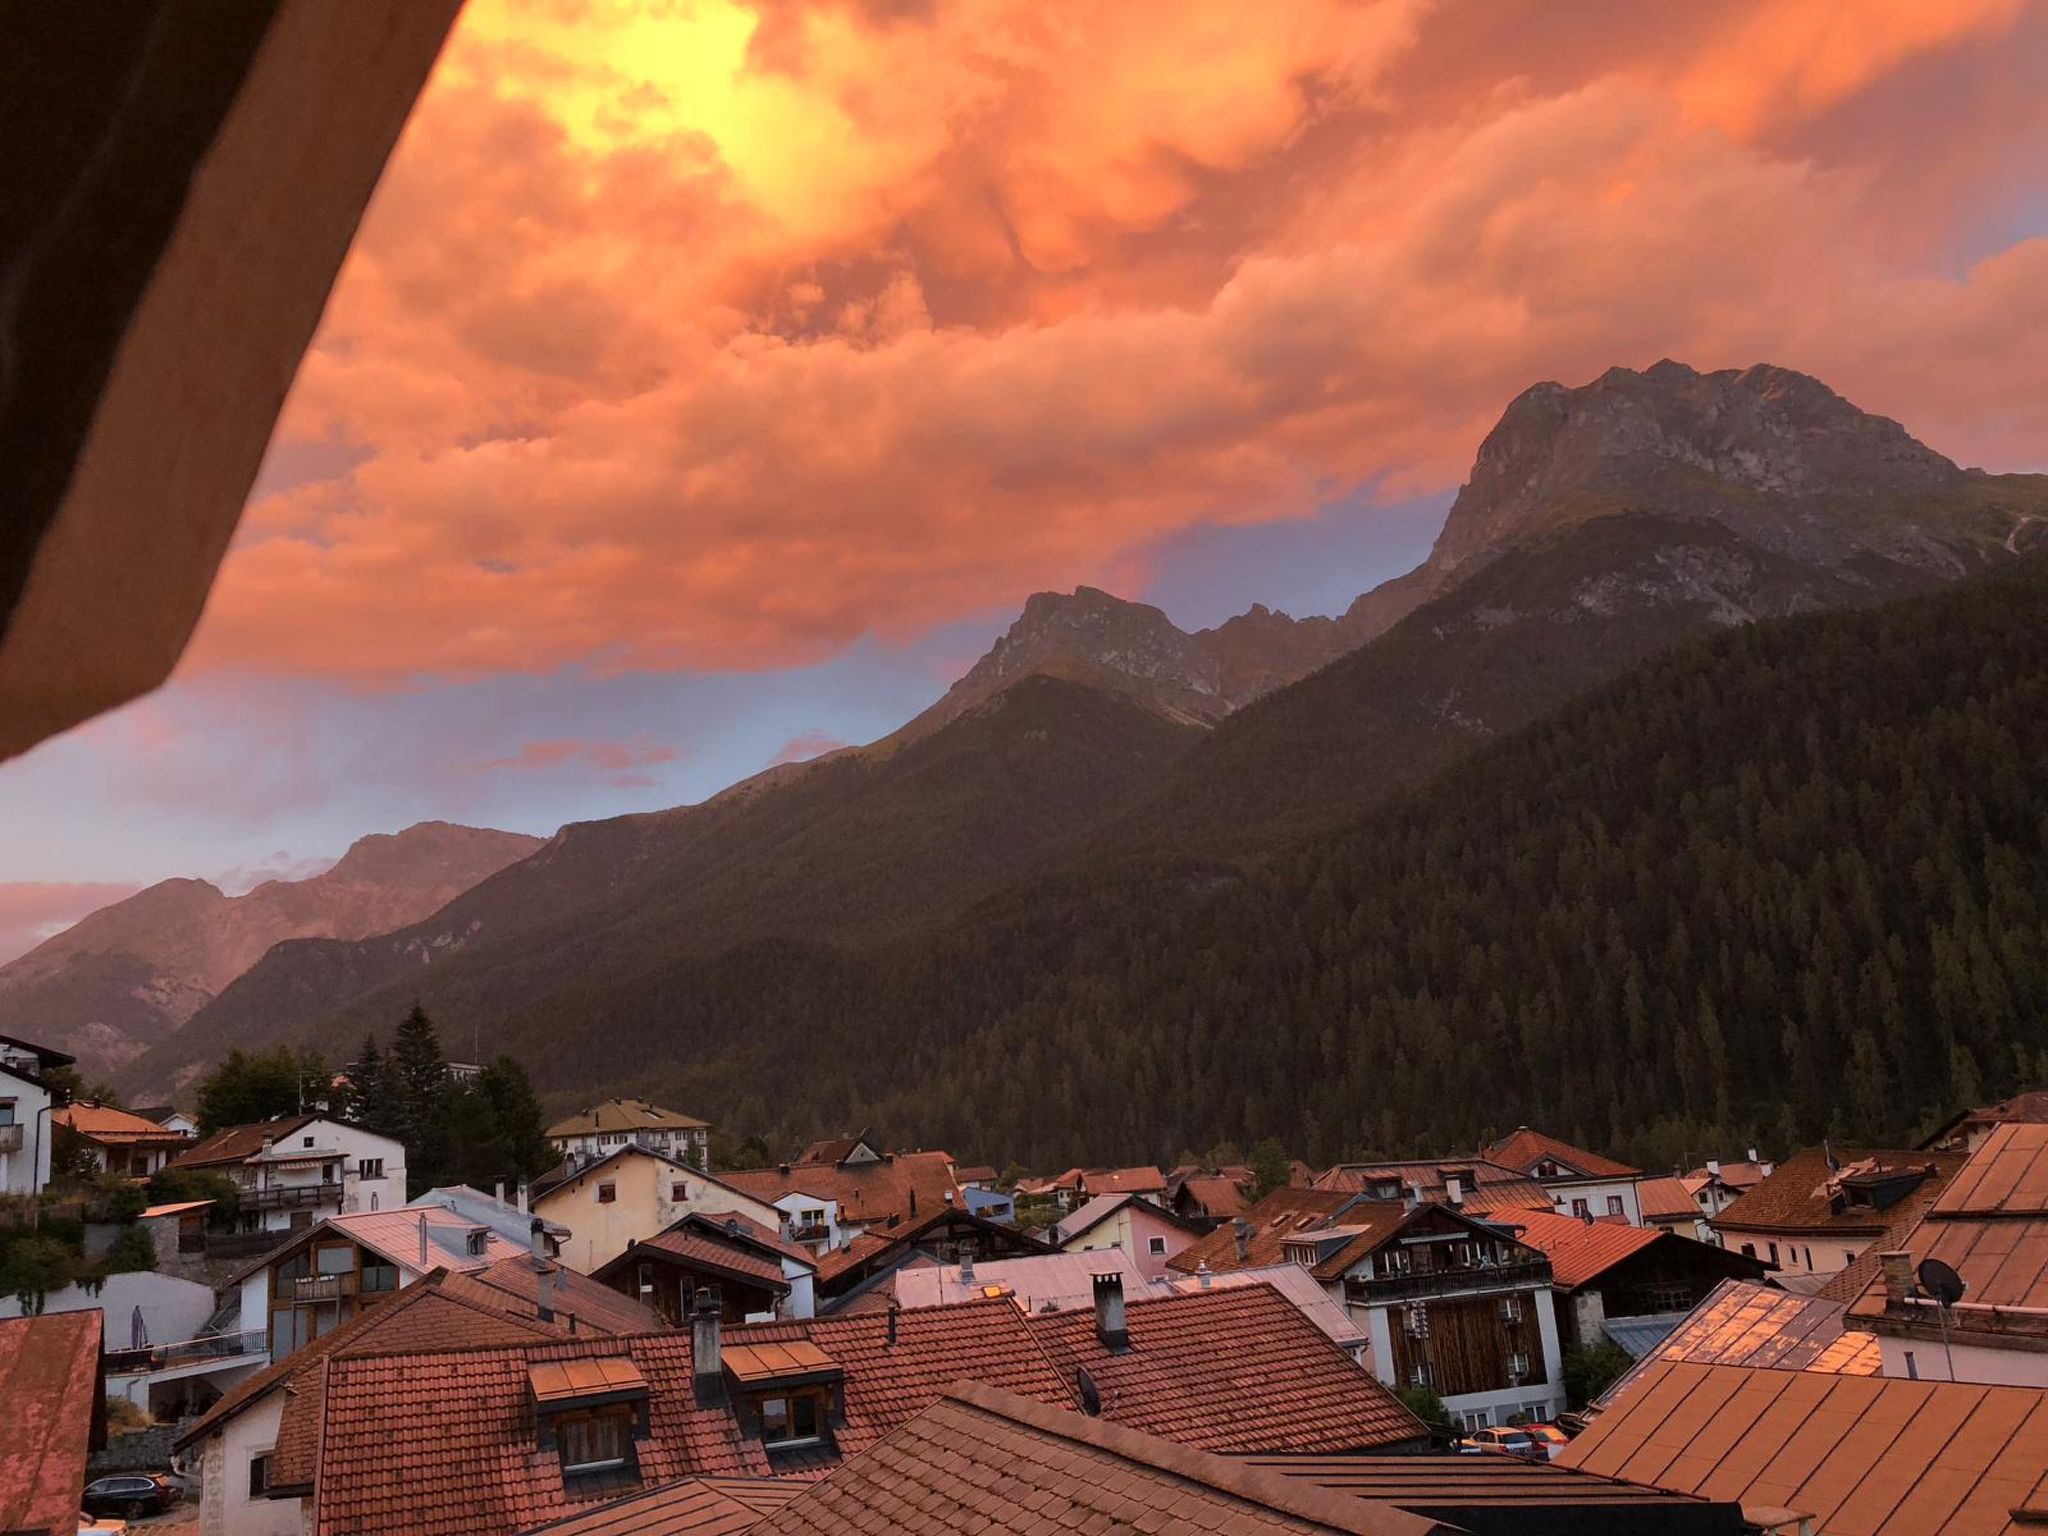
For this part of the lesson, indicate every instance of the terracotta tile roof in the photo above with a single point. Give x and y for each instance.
(1213, 1194)
(50, 1383)
(703, 1250)
(1743, 1323)
(751, 1231)
(1489, 1188)
(109, 1126)
(1500, 1491)
(1271, 1220)
(1855, 1453)
(978, 1173)
(1234, 1371)
(238, 1143)
(1301, 1289)
(1123, 1181)
(1796, 1197)
(1092, 1213)
(983, 1460)
(1580, 1252)
(1667, 1197)
(2030, 1107)
(904, 1186)
(1736, 1175)
(696, 1506)
(513, 1286)
(396, 1236)
(615, 1115)
(838, 1261)
(1523, 1149)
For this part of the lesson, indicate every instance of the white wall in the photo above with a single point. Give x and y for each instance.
(225, 1508)
(1596, 1193)
(172, 1309)
(25, 1172)
(1973, 1362)
(349, 1145)
(1798, 1255)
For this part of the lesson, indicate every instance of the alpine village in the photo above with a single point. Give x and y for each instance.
(1557, 1047)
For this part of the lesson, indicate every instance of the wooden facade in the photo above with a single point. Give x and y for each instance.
(1469, 1343)
(670, 1285)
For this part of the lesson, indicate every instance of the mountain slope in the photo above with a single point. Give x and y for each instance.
(131, 973)
(856, 848)
(1788, 880)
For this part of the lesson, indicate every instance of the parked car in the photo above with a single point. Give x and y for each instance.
(1553, 1438)
(132, 1495)
(1503, 1442)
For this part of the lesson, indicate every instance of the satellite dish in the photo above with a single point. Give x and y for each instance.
(1940, 1281)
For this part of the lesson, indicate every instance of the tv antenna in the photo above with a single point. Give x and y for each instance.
(1940, 1281)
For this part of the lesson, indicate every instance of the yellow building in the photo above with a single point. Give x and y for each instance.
(630, 1194)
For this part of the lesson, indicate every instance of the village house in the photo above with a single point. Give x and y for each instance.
(1209, 1194)
(1670, 1207)
(252, 1477)
(630, 1193)
(1973, 1127)
(1131, 1224)
(840, 1188)
(290, 1173)
(1628, 1285)
(1820, 1209)
(1990, 1226)
(1472, 1185)
(115, 1140)
(859, 1272)
(744, 1267)
(26, 1103)
(55, 1407)
(1076, 1185)
(1452, 1302)
(603, 1128)
(1715, 1185)
(1580, 1183)
(170, 1118)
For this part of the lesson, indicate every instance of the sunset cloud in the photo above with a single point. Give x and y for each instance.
(806, 745)
(614, 757)
(32, 911)
(720, 337)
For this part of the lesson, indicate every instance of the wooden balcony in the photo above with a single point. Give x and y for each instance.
(1429, 1284)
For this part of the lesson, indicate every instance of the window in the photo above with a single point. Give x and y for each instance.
(336, 1261)
(1156, 1246)
(791, 1420)
(370, 1168)
(379, 1277)
(307, 1142)
(679, 1191)
(1848, 1257)
(1774, 1253)
(607, 1194)
(327, 1173)
(259, 1475)
(1581, 1210)
(593, 1442)
(1809, 1258)
(1749, 1250)
(1614, 1205)
(6, 1111)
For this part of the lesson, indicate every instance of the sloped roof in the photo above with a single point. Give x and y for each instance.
(1123, 1181)
(50, 1384)
(1214, 1193)
(1490, 1187)
(570, 1169)
(396, 1235)
(903, 1186)
(1863, 1453)
(109, 1126)
(1522, 1149)
(237, 1143)
(748, 1230)
(1795, 1198)
(696, 1506)
(1300, 1288)
(1580, 1252)
(1744, 1323)
(1666, 1197)
(708, 1251)
(1035, 1282)
(984, 1460)
(515, 1286)
(1271, 1221)
(2030, 1107)
(1234, 1371)
(1092, 1213)
(615, 1115)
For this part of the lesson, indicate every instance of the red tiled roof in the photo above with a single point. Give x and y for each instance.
(50, 1386)
(752, 1231)
(514, 1287)
(1583, 1251)
(109, 1126)
(1234, 1371)
(697, 1506)
(904, 1186)
(1523, 1149)
(839, 1260)
(1489, 1187)
(1123, 1181)
(238, 1143)
(985, 1461)
(1666, 1197)
(705, 1251)
(1853, 1453)
(1271, 1220)
(1214, 1195)
(1796, 1197)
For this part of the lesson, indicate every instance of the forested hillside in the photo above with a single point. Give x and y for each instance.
(1792, 880)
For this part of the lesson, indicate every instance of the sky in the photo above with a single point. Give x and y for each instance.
(710, 382)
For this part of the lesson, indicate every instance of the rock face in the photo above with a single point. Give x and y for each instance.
(132, 973)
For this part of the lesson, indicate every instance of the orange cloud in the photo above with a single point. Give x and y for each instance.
(32, 911)
(806, 745)
(720, 336)
(610, 756)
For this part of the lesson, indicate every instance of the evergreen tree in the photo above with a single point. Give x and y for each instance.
(371, 1102)
(250, 1086)
(416, 1084)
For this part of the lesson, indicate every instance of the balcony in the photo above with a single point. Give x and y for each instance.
(809, 1232)
(224, 1347)
(292, 1197)
(1429, 1284)
(10, 1138)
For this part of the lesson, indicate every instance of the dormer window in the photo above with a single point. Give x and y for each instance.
(793, 1421)
(589, 1411)
(595, 1442)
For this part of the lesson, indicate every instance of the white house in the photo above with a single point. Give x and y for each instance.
(1580, 1183)
(616, 1123)
(295, 1171)
(26, 1103)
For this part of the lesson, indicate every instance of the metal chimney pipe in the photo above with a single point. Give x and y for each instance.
(537, 1242)
(706, 1362)
(1110, 1324)
(423, 1242)
(1204, 1277)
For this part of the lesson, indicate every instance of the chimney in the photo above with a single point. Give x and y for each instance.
(1454, 1191)
(706, 1364)
(519, 1198)
(537, 1242)
(1411, 1196)
(268, 1142)
(423, 1242)
(894, 1308)
(1109, 1313)
(1752, 1154)
(966, 1268)
(913, 1202)
(1242, 1230)
(1897, 1269)
(1204, 1277)
(1713, 1167)
(499, 1192)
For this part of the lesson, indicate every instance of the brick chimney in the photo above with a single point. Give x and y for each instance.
(1110, 1327)
(1242, 1231)
(1897, 1269)
(706, 1362)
